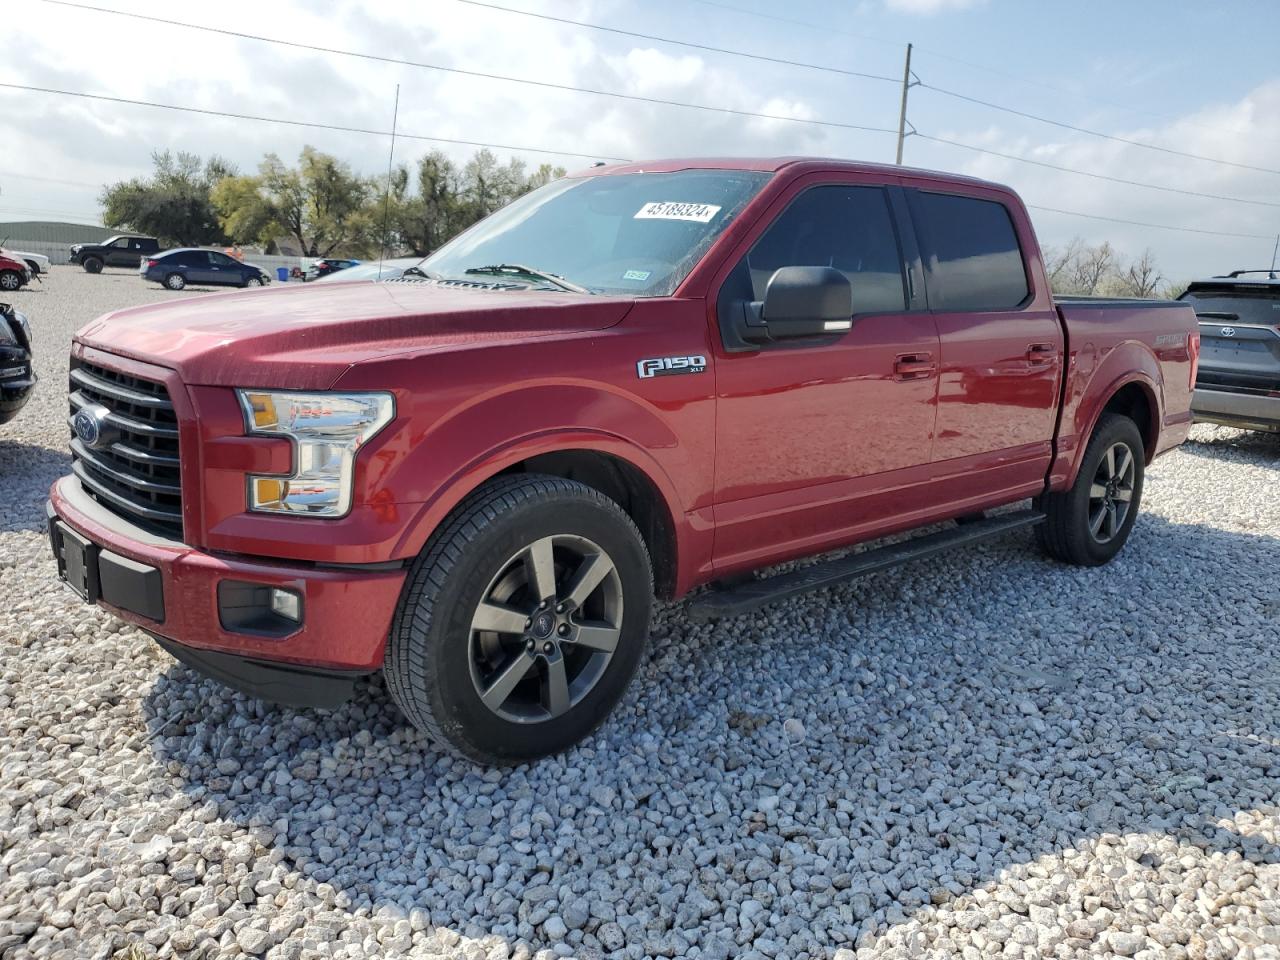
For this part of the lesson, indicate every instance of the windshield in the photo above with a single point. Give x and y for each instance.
(635, 233)
(1260, 307)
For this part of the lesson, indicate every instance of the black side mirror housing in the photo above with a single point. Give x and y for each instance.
(798, 302)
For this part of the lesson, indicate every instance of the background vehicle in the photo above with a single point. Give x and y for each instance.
(14, 274)
(1238, 384)
(374, 270)
(179, 267)
(37, 263)
(17, 375)
(125, 250)
(319, 269)
(476, 480)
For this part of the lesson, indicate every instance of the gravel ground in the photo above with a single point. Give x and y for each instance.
(981, 755)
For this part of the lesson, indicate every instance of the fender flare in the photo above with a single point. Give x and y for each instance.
(492, 462)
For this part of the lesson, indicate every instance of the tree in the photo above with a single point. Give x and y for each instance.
(320, 204)
(174, 204)
(1142, 278)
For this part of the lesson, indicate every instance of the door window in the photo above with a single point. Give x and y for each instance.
(845, 227)
(975, 262)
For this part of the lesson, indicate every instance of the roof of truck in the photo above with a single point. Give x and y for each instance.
(773, 165)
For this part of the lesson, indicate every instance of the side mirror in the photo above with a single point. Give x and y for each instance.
(798, 302)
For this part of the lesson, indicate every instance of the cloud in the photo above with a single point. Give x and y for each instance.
(927, 8)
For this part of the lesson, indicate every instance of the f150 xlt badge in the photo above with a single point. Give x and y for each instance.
(669, 366)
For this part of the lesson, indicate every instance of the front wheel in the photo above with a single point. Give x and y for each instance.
(1089, 523)
(10, 280)
(92, 265)
(523, 621)
(253, 282)
(175, 281)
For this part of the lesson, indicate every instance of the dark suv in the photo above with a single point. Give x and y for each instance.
(177, 268)
(1239, 380)
(126, 250)
(17, 376)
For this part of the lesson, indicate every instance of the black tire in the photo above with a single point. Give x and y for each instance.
(92, 265)
(253, 282)
(35, 268)
(1075, 530)
(175, 281)
(434, 661)
(11, 280)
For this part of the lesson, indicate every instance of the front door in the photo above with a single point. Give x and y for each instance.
(822, 440)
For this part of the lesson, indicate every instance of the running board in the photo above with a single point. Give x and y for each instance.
(746, 597)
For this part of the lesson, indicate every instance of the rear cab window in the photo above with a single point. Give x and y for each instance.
(971, 250)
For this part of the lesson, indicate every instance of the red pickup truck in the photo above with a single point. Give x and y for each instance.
(637, 380)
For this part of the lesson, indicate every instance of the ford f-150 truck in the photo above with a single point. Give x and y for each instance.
(637, 380)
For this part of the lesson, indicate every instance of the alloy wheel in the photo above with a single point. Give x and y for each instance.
(1111, 493)
(545, 629)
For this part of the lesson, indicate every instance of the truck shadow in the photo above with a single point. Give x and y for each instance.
(1237, 445)
(960, 729)
(27, 470)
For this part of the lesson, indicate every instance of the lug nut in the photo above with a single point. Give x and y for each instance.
(548, 647)
(528, 624)
(559, 608)
(564, 629)
(530, 645)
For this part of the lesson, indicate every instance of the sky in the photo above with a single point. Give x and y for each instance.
(1180, 75)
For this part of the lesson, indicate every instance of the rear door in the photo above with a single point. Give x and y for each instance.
(1001, 344)
(824, 439)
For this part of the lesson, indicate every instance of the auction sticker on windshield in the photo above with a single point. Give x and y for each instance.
(664, 210)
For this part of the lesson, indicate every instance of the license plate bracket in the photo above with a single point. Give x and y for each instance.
(77, 562)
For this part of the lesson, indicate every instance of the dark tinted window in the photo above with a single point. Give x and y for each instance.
(1257, 308)
(849, 228)
(973, 251)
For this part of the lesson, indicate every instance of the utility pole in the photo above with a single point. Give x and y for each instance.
(902, 116)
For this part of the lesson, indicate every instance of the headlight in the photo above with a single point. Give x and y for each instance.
(327, 430)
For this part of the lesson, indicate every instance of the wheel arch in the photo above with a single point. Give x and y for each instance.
(606, 463)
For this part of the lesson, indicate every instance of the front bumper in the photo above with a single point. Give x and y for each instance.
(171, 590)
(1248, 411)
(15, 387)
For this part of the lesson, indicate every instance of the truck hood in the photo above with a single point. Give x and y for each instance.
(296, 337)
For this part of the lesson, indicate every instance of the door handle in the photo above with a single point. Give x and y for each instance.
(914, 366)
(1039, 354)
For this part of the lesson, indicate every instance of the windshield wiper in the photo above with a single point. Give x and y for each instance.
(551, 278)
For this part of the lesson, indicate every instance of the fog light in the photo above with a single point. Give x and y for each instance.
(287, 604)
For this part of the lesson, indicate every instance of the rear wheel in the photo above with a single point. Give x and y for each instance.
(10, 280)
(92, 265)
(1089, 523)
(523, 621)
(175, 281)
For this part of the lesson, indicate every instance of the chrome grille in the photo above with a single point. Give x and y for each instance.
(136, 474)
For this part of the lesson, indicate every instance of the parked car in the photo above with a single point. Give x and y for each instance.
(476, 479)
(37, 263)
(1238, 384)
(17, 371)
(177, 268)
(325, 267)
(124, 250)
(14, 274)
(375, 270)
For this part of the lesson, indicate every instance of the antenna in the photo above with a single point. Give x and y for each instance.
(386, 195)
(1274, 251)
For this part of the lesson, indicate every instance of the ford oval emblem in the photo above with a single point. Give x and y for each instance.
(1228, 331)
(88, 424)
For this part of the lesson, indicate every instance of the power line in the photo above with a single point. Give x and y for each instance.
(827, 28)
(1092, 133)
(67, 183)
(544, 84)
(1156, 226)
(297, 123)
(679, 43)
(1097, 176)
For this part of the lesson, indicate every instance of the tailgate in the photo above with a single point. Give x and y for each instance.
(1234, 355)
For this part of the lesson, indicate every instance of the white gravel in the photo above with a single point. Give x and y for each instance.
(984, 755)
